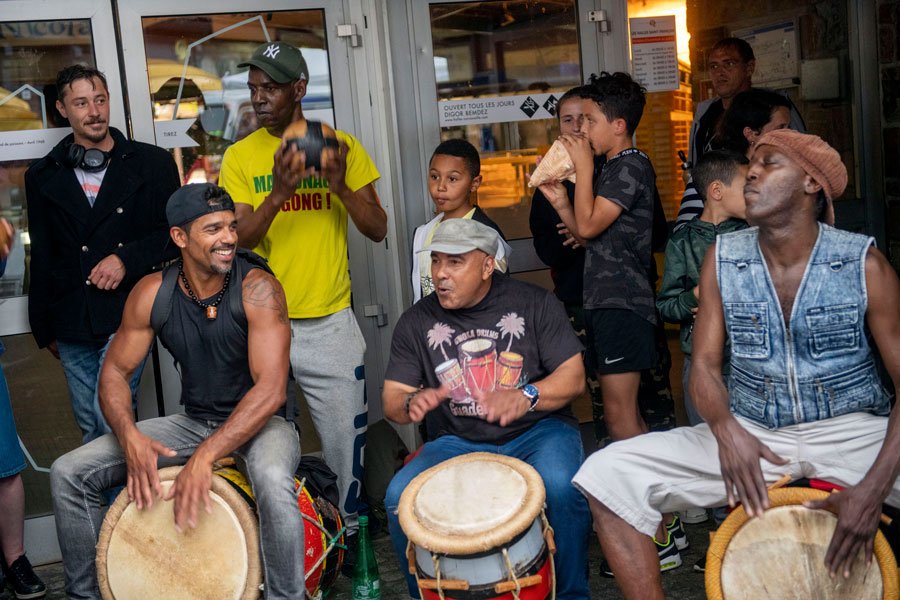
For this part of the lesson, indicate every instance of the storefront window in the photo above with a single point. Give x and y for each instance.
(500, 67)
(192, 69)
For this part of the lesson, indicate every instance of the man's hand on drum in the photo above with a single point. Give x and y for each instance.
(739, 456)
(858, 509)
(422, 402)
(502, 405)
(141, 455)
(190, 491)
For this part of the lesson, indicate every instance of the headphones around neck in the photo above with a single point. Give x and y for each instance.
(91, 160)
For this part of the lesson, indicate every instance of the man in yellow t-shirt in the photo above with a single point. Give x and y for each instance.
(297, 219)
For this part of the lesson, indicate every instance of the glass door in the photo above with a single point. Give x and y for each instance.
(497, 70)
(491, 72)
(187, 94)
(33, 50)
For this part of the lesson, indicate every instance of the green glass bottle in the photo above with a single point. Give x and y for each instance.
(366, 582)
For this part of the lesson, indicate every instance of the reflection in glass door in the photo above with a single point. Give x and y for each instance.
(499, 69)
(38, 49)
(194, 79)
(34, 50)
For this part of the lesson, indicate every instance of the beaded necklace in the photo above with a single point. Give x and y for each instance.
(211, 310)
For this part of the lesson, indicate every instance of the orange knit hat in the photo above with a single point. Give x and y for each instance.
(814, 155)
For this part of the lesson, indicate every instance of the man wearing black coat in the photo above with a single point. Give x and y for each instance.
(97, 222)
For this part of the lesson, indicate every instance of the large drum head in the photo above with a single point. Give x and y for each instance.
(782, 555)
(140, 550)
(471, 503)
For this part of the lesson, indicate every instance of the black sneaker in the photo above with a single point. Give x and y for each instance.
(606, 570)
(23, 581)
(700, 565)
(676, 530)
(669, 557)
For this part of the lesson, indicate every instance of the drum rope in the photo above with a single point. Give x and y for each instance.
(512, 574)
(330, 543)
(415, 569)
(329, 546)
(437, 575)
(547, 528)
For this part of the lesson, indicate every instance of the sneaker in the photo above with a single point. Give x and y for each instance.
(700, 565)
(23, 580)
(694, 515)
(605, 569)
(669, 557)
(676, 530)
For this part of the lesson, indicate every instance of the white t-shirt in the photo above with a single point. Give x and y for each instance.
(90, 183)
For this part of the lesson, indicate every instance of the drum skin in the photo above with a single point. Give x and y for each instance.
(140, 555)
(782, 555)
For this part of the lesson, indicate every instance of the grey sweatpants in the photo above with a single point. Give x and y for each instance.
(327, 362)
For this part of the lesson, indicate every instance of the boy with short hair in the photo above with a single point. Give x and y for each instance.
(615, 217)
(719, 178)
(454, 175)
(614, 214)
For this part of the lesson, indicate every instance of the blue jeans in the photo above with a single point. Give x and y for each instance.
(81, 362)
(269, 460)
(554, 449)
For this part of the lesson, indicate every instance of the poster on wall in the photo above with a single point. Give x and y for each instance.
(654, 52)
(777, 56)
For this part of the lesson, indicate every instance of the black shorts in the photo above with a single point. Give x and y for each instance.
(619, 341)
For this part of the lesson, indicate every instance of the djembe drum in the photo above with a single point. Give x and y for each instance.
(477, 530)
(140, 555)
(782, 555)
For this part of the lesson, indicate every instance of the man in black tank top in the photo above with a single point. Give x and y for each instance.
(223, 317)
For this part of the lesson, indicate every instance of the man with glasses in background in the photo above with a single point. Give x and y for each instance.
(731, 64)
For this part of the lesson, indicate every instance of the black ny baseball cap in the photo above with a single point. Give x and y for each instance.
(282, 62)
(194, 200)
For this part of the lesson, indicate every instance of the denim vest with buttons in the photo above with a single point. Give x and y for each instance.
(821, 366)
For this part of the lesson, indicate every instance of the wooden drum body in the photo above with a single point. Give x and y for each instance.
(477, 530)
(140, 555)
(782, 555)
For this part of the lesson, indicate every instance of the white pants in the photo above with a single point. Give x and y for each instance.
(643, 477)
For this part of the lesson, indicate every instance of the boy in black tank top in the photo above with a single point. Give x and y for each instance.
(224, 320)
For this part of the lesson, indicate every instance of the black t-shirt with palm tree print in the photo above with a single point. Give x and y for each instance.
(518, 334)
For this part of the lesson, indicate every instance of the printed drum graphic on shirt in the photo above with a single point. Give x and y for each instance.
(478, 368)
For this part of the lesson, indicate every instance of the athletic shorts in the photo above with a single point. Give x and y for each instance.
(619, 341)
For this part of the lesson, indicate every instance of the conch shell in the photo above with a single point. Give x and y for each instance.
(555, 166)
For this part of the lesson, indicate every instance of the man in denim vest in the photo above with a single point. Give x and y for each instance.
(804, 398)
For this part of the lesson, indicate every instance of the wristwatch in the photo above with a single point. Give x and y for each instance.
(532, 394)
